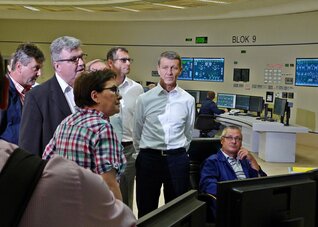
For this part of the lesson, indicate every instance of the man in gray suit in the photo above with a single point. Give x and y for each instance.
(49, 103)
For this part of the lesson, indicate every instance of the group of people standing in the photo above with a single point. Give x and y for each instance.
(102, 120)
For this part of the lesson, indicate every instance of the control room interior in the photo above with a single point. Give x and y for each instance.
(263, 36)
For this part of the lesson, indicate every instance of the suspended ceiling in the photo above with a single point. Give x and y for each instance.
(128, 10)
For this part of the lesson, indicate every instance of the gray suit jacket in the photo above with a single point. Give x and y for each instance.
(45, 106)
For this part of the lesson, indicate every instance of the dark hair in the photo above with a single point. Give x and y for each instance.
(88, 82)
(111, 54)
(25, 53)
(170, 55)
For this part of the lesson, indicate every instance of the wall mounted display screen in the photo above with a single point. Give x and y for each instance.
(187, 69)
(306, 72)
(226, 100)
(208, 69)
(241, 75)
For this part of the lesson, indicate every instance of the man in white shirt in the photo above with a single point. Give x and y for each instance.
(163, 126)
(118, 60)
(48, 104)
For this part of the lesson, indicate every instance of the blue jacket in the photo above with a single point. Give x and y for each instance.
(10, 118)
(209, 107)
(216, 168)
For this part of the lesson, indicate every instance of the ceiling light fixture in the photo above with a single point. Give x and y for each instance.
(127, 9)
(84, 9)
(31, 8)
(214, 1)
(170, 6)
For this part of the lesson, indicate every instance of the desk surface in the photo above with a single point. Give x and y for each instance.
(259, 125)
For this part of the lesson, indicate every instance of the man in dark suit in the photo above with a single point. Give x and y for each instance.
(48, 104)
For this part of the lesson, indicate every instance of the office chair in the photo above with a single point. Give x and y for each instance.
(206, 123)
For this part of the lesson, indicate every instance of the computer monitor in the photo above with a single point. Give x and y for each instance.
(242, 102)
(187, 69)
(226, 100)
(256, 104)
(306, 73)
(280, 106)
(185, 210)
(208, 69)
(285, 200)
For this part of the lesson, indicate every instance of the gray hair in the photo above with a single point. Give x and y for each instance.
(233, 127)
(25, 53)
(171, 55)
(63, 43)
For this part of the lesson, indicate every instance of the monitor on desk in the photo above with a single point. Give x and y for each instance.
(256, 104)
(226, 100)
(285, 200)
(280, 106)
(185, 210)
(242, 102)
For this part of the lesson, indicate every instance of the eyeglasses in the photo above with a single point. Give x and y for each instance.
(237, 139)
(124, 60)
(74, 59)
(112, 89)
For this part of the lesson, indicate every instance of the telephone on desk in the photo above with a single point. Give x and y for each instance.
(234, 112)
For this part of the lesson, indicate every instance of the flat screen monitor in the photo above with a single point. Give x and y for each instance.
(185, 210)
(187, 69)
(241, 75)
(306, 72)
(242, 102)
(280, 106)
(226, 100)
(245, 75)
(256, 104)
(208, 69)
(285, 200)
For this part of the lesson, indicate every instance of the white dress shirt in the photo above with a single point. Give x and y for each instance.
(68, 92)
(164, 120)
(123, 121)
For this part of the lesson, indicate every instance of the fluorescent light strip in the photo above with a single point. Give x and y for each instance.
(170, 6)
(123, 8)
(84, 9)
(214, 1)
(31, 8)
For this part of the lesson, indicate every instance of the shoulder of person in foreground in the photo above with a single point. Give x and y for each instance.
(70, 195)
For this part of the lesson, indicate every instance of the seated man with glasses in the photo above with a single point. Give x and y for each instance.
(231, 162)
(86, 136)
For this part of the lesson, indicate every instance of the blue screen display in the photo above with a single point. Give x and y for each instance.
(187, 69)
(226, 100)
(208, 69)
(306, 72)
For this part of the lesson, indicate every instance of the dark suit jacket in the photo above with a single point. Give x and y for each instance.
(10, 118)
(45, 106)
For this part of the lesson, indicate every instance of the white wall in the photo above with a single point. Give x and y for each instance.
(279, 40)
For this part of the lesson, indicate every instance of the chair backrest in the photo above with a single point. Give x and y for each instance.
(205, 122)
(200, 149)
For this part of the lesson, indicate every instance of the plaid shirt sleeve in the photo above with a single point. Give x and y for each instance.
(109, 152)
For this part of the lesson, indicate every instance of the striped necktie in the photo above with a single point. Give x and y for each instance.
(237, 167)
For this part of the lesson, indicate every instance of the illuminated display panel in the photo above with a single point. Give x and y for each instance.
(187, 69)
(226, 100)
(208, 69)
(306, 72)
